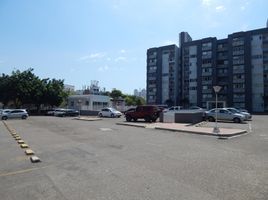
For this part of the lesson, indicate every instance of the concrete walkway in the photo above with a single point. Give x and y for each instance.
(187, 128)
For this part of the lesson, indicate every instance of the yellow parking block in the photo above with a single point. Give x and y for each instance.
(35, 159)
(24, 146)
(29, 152)
(16, 135)
(17, 138)
(20, 142)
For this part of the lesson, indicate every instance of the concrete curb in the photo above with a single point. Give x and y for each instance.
(204, 133)
(200, 132)
(134, 125)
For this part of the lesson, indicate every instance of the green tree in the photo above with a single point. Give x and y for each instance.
(25, 88)
(115, 94)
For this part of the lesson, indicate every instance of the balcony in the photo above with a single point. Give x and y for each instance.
(152, 63)
(207, 82)
(222, 66)
(152, 71)
(239, 90)
(223, 82)
(152, 86)
(206, 56)
(222, 57)
(238, 43)
(206, 73)
(207, 65)
(152, 93)
(207, 91)
(238, 71)
(222, 74)
(241, 52)
(151, 78)
(238, 80)
(222, 49)
(239, 99)
(205, 48)
(152, 56)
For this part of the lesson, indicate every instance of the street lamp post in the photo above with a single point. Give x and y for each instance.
(216, 88)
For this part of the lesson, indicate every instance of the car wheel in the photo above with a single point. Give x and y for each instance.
(147, 119)
(211, 119)
(112, 115)
(4, 118)
(237, 120)
(23, 117)
(100, 115)
(128, 118)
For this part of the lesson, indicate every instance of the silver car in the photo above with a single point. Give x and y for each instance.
(225, 115)
(234, 110)
(14, 113)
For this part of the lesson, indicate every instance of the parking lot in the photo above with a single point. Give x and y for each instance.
(102, 160)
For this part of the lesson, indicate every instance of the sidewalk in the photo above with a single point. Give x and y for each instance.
(187, 128)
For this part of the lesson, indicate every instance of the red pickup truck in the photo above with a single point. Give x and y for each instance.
(148, 113)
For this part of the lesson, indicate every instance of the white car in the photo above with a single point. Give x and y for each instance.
(109, 112)
(14, 113)
(172, 109)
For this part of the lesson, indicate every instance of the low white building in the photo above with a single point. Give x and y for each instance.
(88, 102)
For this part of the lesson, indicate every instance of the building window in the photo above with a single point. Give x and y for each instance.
(72, 104)
(87, 103)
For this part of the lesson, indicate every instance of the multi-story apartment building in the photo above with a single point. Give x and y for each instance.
(238, 63)
(162, 75)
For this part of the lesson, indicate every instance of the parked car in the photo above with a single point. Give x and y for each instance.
(66, 112)
(14, 113)
(109, 112)
(224, 114)
(196, 108)
(148, 113)
(173, 109)
(246, 114)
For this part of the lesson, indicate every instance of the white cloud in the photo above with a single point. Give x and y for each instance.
(122, 51)
(220, 8)
(92, 56)
(206, 2)
(169, 42)
(120, 58)
(104, 68)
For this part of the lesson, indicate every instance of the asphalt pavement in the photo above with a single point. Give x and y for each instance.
(102, 160)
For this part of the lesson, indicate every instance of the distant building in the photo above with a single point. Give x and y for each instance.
(88, 102)
(238, 63)
(69, 88)
(140, 93)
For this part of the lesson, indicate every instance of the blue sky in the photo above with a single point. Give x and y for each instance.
(106, 40)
